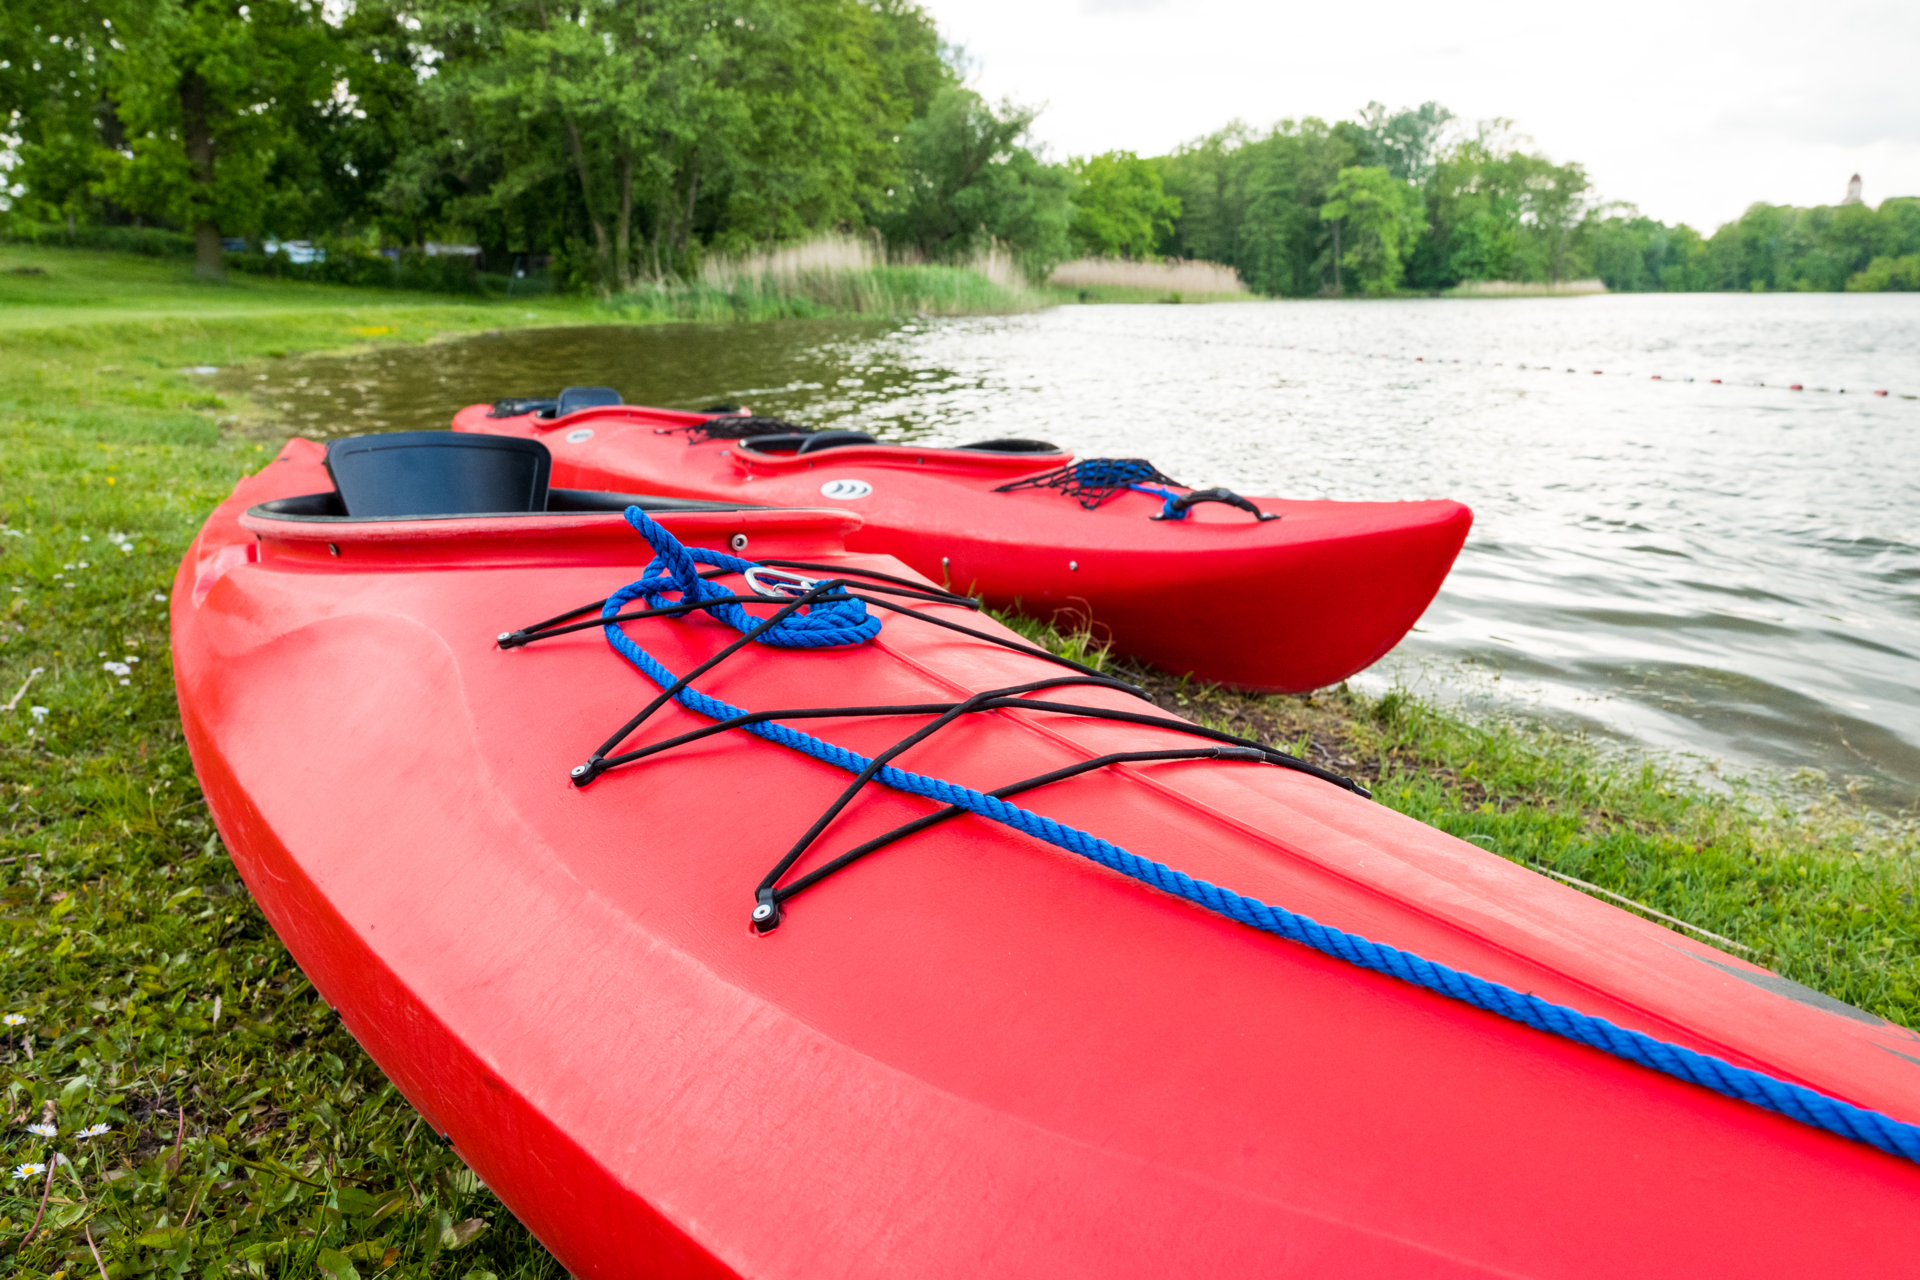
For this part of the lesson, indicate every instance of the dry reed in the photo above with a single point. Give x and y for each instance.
(1172, 276)
(1524, 289)
(839, 255)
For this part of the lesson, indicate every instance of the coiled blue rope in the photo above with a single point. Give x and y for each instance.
(827, 624)
(673, 570)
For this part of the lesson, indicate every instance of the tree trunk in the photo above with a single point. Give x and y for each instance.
(586, 194)
(197, 135)
(686, 226)
(1338, 289)
(659, 230)
(623, 231)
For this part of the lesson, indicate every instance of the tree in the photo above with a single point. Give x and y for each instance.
(1378, 215)
(967, 182)
(206, 100)
(1120, 209)
(1498, 213)
(58, 61)
(1407, 141)
(650, 130)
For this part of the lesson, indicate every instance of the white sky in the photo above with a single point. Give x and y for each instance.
(1690, 110)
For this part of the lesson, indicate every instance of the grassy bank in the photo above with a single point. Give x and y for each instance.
(245, 1131)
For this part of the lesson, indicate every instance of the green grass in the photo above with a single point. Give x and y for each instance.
(148, 982)
(149, 985)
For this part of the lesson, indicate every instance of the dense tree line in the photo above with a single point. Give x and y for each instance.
(626, 139)
(1831, 247)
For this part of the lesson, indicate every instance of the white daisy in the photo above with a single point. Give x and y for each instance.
(31, 1169)
(14, 1019)
(44, 1130)
(93, 1131)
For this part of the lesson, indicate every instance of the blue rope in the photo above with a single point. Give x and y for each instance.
(1168, 496)
(827, 624)
(673, 570)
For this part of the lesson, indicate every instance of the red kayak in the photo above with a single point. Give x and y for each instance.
(1265, 594)
(1110, 994)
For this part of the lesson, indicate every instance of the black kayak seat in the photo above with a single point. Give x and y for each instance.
(819, 440)
(573, 399)
(805, 441)
(438, 473)
(1013, 445)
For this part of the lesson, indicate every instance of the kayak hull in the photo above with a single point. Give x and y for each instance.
(974, 1053)
(1282, 606)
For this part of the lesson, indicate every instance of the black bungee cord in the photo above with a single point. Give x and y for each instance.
(769, 894)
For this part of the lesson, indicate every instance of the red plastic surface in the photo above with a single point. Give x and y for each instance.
(1282, 605)
(971, 1054)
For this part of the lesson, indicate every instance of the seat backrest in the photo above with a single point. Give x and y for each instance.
(572, 398)
(439, 473)
(1013, 444)
(834, 440)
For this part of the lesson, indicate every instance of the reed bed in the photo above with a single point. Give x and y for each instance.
(1526, 289)
(833, 275)
(1186, 278)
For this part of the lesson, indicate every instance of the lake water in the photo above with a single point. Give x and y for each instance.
(1730, 570)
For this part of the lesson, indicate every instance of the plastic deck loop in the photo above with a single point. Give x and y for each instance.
(674, 571)
(1175, 506)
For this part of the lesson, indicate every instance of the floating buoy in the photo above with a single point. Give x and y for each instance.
(1879, 393)
(1656, 377)
(1715, 381)
(1596, 373)
(1794, 386)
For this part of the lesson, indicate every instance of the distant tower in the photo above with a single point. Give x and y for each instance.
(1853, 190)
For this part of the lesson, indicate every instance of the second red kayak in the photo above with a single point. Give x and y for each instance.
(1266, 594)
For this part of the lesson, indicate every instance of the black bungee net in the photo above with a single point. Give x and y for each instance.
(829, 612)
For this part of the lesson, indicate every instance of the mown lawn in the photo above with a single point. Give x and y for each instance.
(244, 1130)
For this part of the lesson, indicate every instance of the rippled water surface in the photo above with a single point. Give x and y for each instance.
(1730, 569)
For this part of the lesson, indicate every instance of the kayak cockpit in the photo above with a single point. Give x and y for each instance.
(442, 475)
(444, 498)
(329, 507)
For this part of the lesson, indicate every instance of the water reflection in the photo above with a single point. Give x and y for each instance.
(1724, 568)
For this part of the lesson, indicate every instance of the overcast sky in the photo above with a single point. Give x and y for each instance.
(1690, 110)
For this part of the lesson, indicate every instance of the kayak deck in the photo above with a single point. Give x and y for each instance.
(971, 1053)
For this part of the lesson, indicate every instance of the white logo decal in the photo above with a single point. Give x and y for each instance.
(846, 490)
(581, 436)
